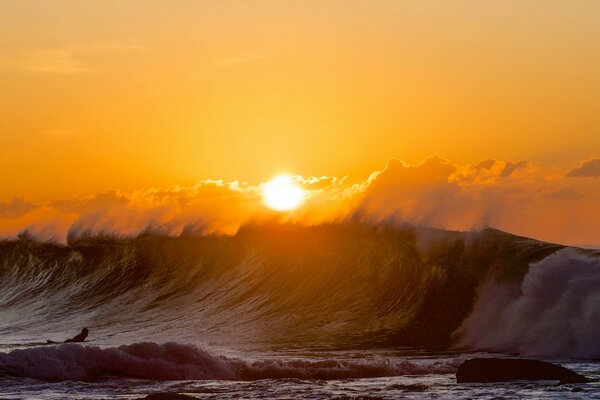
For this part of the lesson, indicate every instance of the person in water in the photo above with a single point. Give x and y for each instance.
(76, 339)
(79, 338)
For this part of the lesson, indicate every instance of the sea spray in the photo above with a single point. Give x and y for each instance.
(173, 361)
(554, 311)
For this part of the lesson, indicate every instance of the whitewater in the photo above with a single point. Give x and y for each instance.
(340, 310)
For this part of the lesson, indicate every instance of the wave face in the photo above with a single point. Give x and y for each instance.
(335, 286)
(172, 361)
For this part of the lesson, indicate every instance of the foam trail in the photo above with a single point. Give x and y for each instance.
(554, 312)
(173, 361)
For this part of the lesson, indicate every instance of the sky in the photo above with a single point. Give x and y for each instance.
(117, 103)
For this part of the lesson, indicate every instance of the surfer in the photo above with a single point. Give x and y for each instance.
(76, 339)
(79, 338)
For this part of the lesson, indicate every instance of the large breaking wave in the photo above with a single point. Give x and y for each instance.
(343, 285)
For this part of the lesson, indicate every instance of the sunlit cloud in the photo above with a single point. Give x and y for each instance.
(528, 199)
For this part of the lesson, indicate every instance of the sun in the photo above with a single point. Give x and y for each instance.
(282, 194)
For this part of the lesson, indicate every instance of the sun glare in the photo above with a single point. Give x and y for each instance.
(282, 194)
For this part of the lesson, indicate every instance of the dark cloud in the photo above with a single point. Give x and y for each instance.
(589, 168)
(511, 167)
(96, 202)
(486, 164)
(15, 208)
(563, 194)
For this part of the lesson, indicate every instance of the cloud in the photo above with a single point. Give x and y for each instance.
(589, 169)
(567, 193)
(68, 59)
(209, 206)
(15, 208)
(100, 201)
(491, 171)
(445, 195)
(486, 164)
(421, 194)
(511, 167)
(535, 201)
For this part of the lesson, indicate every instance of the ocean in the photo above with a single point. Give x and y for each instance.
(282, 311)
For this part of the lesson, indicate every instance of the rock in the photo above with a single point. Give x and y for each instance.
(514, 369)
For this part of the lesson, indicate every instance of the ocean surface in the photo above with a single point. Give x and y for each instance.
(281, 311)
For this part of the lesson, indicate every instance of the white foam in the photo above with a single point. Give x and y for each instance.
(173, 361)
(554, 312)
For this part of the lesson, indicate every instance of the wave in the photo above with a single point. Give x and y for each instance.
(343, 285)
(173, 361)
(553, 311)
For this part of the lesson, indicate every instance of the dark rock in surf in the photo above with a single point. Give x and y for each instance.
(513, 369)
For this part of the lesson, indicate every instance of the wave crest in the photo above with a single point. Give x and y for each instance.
(174, 361)
(554, 311)
(337, 285)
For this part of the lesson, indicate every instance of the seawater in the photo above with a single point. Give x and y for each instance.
(344, 310)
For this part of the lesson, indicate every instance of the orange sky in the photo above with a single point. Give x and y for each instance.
(132, 96)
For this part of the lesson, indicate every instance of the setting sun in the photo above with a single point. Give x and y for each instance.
(282, 194)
